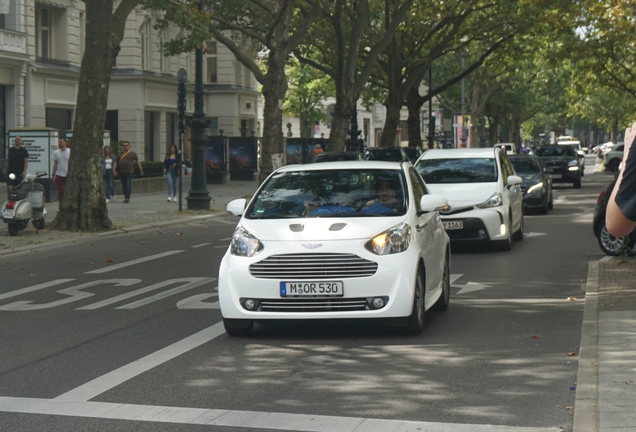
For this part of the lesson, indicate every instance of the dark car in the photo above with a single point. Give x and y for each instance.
(536, 185)
(609, 244)
(414, 153)
(561, 163)
(391, 154)
(337, 156)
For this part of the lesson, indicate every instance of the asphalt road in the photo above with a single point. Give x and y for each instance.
(124, 333)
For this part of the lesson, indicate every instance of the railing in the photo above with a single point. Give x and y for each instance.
(12, 41)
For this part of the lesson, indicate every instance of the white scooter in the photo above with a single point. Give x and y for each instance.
(25, 204)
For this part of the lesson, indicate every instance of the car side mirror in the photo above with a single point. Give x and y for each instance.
(513, 180)
(236, 207)
(430, 203)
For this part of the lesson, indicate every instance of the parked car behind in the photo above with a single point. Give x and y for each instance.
(391, 154)
(609, 244)
(612, 159)
(562, 163)
(336, 240)
(337, 156)
(509, 148)
(576, 145)
(536, 185)
(414, 153)
(483, 192)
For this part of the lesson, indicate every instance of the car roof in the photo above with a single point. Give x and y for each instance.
(341, 165)
(568, 142)
(459, 153)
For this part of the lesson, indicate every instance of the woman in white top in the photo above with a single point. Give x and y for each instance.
(107, 173)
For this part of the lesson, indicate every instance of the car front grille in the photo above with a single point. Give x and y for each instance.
(313, 305)
(313, 266)
(456, 211)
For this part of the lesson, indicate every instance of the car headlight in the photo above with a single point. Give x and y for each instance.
(572, 163)
(393, 240)
(535, 188)
(495, 200)
(244, 244)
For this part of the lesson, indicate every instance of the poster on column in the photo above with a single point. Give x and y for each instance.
(40, 143)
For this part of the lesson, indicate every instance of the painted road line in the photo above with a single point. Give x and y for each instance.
(165, 294)
(34, 288)
(255, 420)
(133, 262)
(200, 245)
(112, 379)
(196, 302)
(188, 281)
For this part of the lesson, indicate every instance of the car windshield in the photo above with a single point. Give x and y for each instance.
(525, 165)
(388, 154)
(331, 193)
(458, 170)
(555, 151)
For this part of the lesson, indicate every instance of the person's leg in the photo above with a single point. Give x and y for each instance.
(169, 178)
(125, 185)
(111, 185)
(106, 188)
(59, 182)
(128, 186)
(173, 175)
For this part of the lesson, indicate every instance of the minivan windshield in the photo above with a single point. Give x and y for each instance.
(331, 193)
(458, 170)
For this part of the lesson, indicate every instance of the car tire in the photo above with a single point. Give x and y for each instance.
(551, 202)
(613, 165)
(443, 301)
(415, 323)
(577, 183)
(238, 327)
(518, 235)
(611, 245)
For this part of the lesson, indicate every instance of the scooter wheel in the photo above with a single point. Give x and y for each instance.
(13, 230)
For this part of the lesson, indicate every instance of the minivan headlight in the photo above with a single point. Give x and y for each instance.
(244, 244)
(393, 240)
(495, 200)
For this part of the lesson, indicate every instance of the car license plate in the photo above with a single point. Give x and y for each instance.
(310, 289)
(453, 225)
(8, 213)
(555, 176)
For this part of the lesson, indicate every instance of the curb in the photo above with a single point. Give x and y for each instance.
(586, 403)
(128, 230)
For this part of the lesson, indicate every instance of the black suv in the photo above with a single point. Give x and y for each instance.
(561, 163)
(391, 154)
(536, 185)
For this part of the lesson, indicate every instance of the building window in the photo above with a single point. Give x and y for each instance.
(43, 32)
(146, 46)
(149, 135)
(82, 35)
(165, 59)
(112, 124)
(1, 21)
(247, 77)
(211, 71)
(60, 119)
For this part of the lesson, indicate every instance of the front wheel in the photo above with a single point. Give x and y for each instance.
(39, 223)
(13, 229)
(551, 202)
(614, 246)
(415, 323)
(238, 327)
(577, 183)
(518, 235)
(444, 300)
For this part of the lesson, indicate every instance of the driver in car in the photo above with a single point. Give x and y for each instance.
(386, 195)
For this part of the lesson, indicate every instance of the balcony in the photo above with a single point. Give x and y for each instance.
(13, 42)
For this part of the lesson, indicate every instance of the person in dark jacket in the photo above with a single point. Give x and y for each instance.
(172, 164)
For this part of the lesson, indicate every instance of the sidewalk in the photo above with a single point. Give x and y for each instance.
(606, 381)
(144, 211)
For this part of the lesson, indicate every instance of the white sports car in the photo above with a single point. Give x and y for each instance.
(355, 239)
(483, 192)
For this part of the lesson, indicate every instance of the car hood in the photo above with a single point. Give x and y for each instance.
(530, 179)
(319, 229)
(464, 194)
(556, 159)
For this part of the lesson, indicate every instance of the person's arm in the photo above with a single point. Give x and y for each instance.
(115, 167)
(617, 223)
(26, 165)
(54, 165)
(141, 170)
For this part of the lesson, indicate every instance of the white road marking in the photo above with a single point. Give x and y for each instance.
(534, 234)
(561, 198)
(455, 276)
(133, 262)
(239, 419)
(220, 247)
(112, 379)
(34, 288)
(606, 258)
(226, 239)
(74, 293)
(162, 295)
(126, 296)
(472, 286)
(200, 245)
(196, 302)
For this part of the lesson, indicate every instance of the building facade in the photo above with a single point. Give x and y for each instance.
(41, 46)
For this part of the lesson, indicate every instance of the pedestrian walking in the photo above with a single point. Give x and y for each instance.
(620, 218)
(108, 175)
(125, 168)
(60, 168)
(316, 152)
(17, 163)
(172, 165)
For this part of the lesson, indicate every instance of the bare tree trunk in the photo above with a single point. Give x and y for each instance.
(340, 124)
(84, 207)
(414, 105)
(272, 147)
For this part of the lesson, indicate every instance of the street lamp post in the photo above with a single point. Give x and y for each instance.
(353, 144)
(198, 197)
